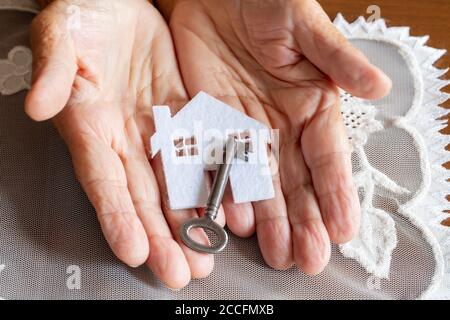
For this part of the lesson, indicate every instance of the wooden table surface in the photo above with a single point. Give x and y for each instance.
(430, 17)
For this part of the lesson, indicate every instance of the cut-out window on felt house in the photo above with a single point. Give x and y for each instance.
(185, 147)
(244, 144)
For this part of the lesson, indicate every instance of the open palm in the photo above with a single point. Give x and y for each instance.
(99, 66)
(276, 60)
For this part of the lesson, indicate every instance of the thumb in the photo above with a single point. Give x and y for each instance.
(54, 67)
(334, 55)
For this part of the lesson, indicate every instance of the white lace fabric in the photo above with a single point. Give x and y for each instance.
(402, 250)
(417, 116)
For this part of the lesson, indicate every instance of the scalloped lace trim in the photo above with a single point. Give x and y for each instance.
(425, 210)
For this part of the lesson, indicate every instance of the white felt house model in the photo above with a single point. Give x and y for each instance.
(186, 143)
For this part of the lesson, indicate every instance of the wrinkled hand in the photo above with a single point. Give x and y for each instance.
(99, 66)
(277, 60)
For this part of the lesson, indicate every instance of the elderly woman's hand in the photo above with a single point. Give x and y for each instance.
(279, 61)
(99, 66)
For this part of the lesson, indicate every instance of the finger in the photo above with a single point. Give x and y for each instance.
(102, 176)
(201, 265)
(240, 217)
(166, 258)
(311, 244)
(327, 155)
(331, 52)
(54, 67)
(273, 229)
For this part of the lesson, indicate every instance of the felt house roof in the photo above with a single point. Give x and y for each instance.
(212, 112)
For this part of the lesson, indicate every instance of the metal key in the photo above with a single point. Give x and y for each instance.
(212, 207)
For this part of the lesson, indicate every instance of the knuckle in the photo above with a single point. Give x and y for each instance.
(117, 229)
(343, 233)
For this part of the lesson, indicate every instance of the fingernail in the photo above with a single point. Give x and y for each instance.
(134, 265)
(173, 289)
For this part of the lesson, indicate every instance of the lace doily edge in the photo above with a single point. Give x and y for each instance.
(423, 122)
